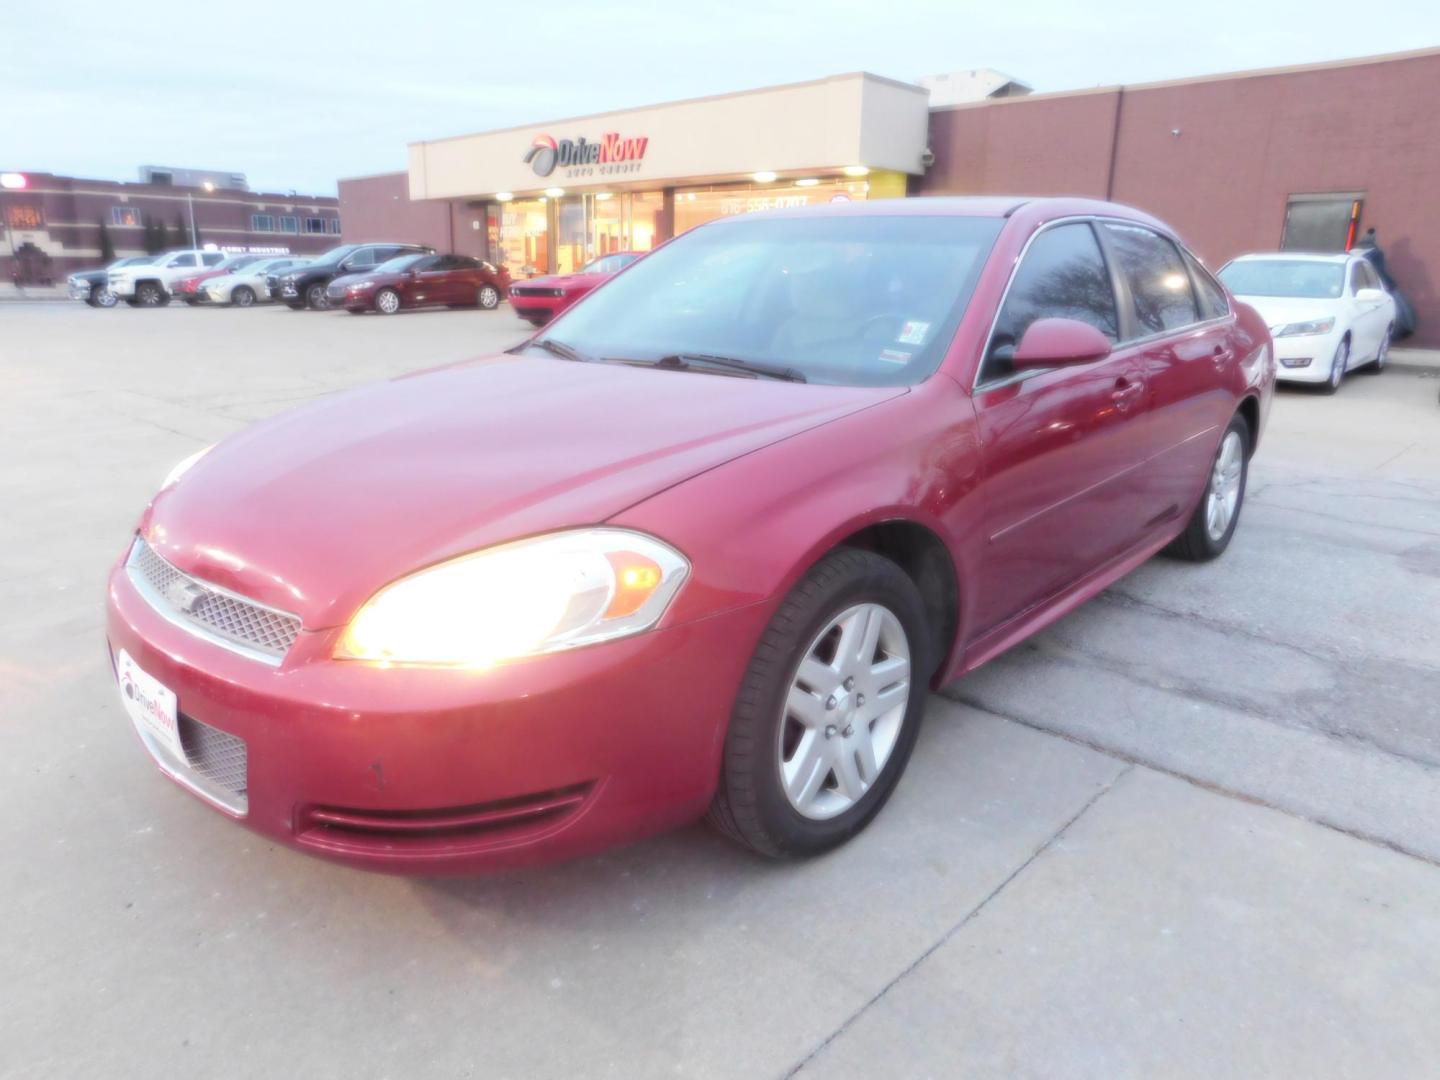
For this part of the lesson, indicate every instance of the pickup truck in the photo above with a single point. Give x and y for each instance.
(149, 284)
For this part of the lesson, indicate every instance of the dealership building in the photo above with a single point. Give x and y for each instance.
(54, 225)
(1301, 158)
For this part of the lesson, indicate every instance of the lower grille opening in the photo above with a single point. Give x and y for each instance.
(476, 826)
(216, 755)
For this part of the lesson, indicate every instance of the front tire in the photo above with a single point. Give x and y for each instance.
(148, 294)
(242, 296)
(316, 298)
(106, 299)
(387, 301)
(828, 710)
(1337, 367)
(1211, 526)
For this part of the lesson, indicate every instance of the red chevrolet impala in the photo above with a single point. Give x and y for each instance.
(410, 281)
(540, 299)
(702, 547)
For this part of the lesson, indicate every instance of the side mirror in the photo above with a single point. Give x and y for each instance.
(1054, 342)
(1370, 296)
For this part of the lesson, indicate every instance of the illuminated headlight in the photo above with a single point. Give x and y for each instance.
(1314, 326)
(523, 599)
(358, 285)
(184, 466)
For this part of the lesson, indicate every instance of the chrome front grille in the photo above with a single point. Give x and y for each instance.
(210, 611)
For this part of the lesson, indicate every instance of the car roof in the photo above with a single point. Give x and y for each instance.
(1031, 210)
(1297, 256)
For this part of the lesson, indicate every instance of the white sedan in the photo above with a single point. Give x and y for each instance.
(247, 285)
(1328, 314)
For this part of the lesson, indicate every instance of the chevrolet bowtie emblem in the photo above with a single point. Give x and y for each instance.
(185, 595)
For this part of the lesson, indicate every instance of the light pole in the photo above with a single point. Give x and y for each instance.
(190, 201)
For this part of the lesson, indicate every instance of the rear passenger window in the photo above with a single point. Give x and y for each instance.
(1158, 281)
(1212, 300)
(1062, 276)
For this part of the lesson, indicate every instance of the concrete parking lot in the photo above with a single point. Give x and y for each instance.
(1189, 830)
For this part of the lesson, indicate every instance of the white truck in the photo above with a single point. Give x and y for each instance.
(149, 284)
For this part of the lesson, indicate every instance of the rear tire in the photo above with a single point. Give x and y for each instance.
(1376, 366)
(242, 296)
(487, 298)
(1206, 536)
(805, 765)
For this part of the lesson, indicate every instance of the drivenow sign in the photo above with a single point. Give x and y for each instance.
(611, 155)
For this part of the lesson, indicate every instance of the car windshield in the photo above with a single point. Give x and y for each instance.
(1300, 278)
(401, 263)
(865, 300)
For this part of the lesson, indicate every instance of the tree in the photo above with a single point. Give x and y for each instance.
(162, 237)
(182, 232)
(107, 246)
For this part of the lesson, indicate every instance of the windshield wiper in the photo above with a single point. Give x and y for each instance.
(555, 348)
(755, 369)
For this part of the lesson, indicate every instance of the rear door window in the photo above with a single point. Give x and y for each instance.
(1063, 275)
(1159, 283)
(1208, 293)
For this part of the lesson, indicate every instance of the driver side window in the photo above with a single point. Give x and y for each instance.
(1062, 276)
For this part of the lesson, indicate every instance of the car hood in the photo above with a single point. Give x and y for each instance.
(1279, 310)
(351, 279)
(561, 281)
(313, 510)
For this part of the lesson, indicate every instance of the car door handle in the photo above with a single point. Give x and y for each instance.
(1125, 391)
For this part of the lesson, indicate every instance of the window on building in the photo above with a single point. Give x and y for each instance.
(314, 225)
(1062, 276)
(25, 217)
(290, 224)
(334, 224)
(262, 223)
(1159, 285)
(125, 215)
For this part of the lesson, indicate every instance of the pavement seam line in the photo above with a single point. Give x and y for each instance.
(1208, 785)
(968, 917)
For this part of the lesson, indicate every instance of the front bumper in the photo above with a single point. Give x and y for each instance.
(80, 291)
(537, 308)
(1318, 349)
(453, 772)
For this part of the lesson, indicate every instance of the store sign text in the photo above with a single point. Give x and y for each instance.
(611, 155)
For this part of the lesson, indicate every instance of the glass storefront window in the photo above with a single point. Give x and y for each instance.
(524, 237)
(695, 206)
(622, 221)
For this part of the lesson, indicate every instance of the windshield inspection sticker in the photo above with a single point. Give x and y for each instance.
(894, 356)
(913, 333)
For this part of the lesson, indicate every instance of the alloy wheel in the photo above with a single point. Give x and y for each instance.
(1224, 494)
(489, 297)
(1338, 366)
(844, 711)
(242, 297)
(388, 302)
(1384, 353)
(106, 299)
(316, 297)
(149, 295)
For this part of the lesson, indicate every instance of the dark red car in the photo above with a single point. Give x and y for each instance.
(540, 299)
(411, 281)
(192, 289)
(702, 547)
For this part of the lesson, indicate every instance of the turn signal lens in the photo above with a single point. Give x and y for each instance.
(636, 579)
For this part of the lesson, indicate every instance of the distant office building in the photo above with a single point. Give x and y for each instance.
(195, 178)
(53, 225)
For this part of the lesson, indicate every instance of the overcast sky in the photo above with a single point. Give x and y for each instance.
(297, 95)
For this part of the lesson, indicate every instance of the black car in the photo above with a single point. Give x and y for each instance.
(93, 286)
(305, 286)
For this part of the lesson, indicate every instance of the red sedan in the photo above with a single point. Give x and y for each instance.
(703, 547)
(540, 299)
(192, 289)
(411, 281)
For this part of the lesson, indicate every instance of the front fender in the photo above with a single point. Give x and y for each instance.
(753, 526)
